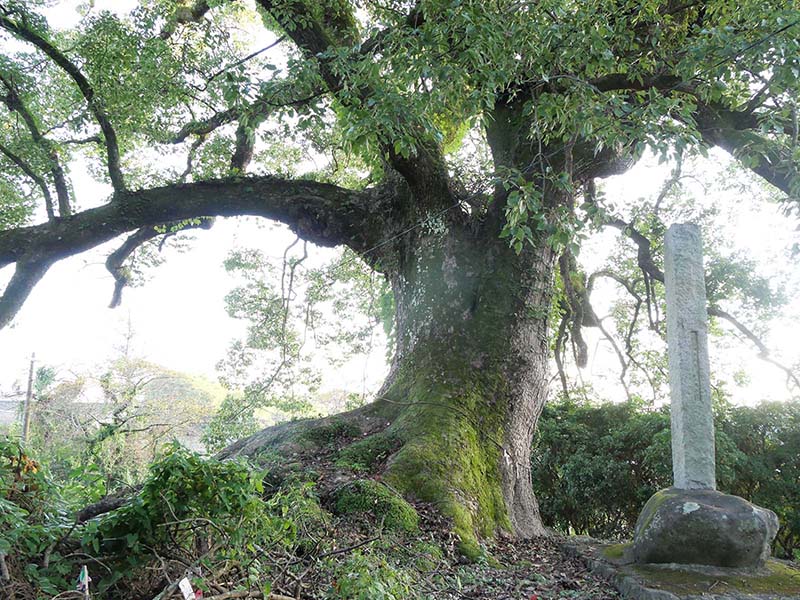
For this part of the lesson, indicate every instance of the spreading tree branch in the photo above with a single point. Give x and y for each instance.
(15, 104)
(28, 170)
(736, 134)
(424, 169)
(23, 31)
(320, 213)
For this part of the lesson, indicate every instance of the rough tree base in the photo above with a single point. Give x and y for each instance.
(425, 438)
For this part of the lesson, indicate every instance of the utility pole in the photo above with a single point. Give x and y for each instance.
(26, 408)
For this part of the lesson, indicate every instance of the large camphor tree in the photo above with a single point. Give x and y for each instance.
(461, 140)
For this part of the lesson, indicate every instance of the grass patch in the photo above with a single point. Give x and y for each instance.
(615, 551)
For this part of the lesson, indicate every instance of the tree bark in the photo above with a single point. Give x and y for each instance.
(468, 381)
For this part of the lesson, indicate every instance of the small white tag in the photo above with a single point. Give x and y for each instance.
(186, 588)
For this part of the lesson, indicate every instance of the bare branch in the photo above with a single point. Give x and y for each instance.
(652, 272)
(116, 260)
(763, 351)
(622, 363)
(559, 353)
(631, 289)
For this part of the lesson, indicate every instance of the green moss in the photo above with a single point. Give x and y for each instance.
(370, 496)
(364, 455)
(425, 556)
(367, 575)
(778, 578)
(451, 456)
(616, 551)
(328, 434)
(469, 548)
(653, 504)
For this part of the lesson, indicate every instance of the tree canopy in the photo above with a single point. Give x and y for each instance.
(170, 102)
(452, 145)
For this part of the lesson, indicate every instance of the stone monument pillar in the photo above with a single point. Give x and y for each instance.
(691, 522)
(693, 454)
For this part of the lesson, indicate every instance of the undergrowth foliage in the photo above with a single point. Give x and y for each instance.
(210, 520)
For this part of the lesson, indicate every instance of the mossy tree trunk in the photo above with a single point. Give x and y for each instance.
(470, 374)
(470, 377)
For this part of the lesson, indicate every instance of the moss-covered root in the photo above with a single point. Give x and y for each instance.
(451, 453)
(386, 506)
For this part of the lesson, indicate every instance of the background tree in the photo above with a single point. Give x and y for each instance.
(620, 305)
(277, 368)
(554, 94)
(103, 430)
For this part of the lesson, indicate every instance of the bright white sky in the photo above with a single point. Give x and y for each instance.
(180, 322)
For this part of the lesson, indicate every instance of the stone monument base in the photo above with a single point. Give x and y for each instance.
(703, 527)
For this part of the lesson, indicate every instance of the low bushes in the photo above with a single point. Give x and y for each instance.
(595, 465)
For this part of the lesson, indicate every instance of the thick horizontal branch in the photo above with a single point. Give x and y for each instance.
(101, 507)
(736, 133)
(317, 212)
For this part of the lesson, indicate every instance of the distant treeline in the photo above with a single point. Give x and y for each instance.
(595, 465)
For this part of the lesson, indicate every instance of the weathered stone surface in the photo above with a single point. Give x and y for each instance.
(703, 527)
(692, 421)
(777, 580)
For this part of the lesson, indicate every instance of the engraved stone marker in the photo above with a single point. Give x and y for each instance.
(687, 345)
(692, 523)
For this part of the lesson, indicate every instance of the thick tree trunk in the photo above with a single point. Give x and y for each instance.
(470, 377)
(468, 382)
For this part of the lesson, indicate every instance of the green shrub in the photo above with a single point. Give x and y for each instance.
(595, 465)
(364, 576)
